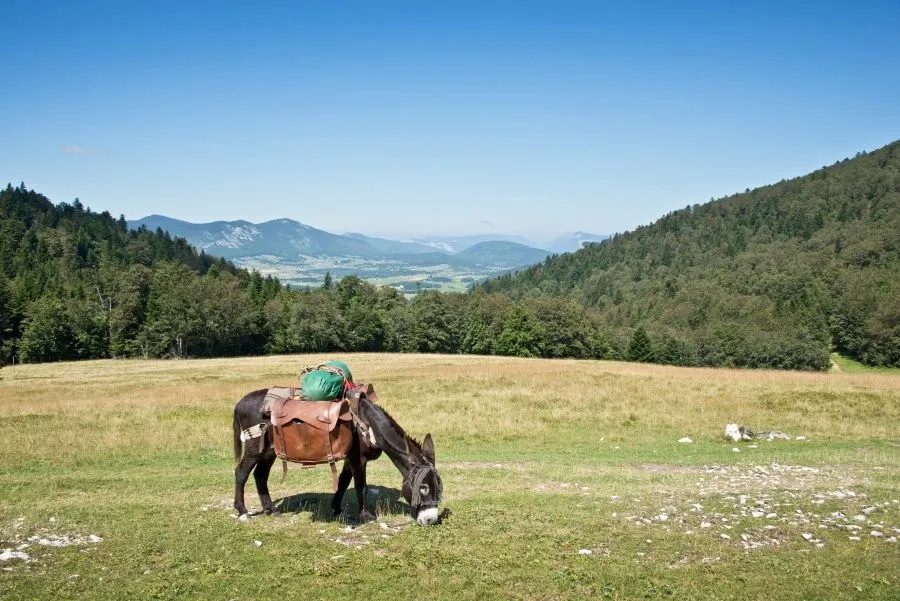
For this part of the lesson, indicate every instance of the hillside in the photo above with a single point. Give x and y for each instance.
(501, 254)
(772, 277)
(75, 284)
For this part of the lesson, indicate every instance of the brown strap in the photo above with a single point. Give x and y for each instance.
(334, 477)
(283, 471)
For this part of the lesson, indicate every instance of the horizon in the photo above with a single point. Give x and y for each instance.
(512, 119)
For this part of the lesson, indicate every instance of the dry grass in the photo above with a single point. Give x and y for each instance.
(154, 405)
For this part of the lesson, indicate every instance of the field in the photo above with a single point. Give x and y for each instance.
(402, 274)
(563, 480)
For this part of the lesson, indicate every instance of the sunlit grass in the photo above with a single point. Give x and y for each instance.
(540, 459)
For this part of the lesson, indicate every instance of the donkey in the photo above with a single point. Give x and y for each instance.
(422, 486)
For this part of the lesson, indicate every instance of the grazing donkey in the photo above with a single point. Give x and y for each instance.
(377, 432)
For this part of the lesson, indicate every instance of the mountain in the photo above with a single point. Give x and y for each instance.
(773, 277)
(280, 237)
(302, 255)
(394, 247)
(572, 242)
(455, 244)
(501, 254)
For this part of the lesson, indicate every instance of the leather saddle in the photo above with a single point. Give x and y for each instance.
(309, 432)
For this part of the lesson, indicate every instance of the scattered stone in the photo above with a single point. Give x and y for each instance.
(245, 517)
(758, 514)
(258, 543)
(807, 536)
(800, 438)
(585, 552)
(662, 517)
(869, 510)
(736, 450)
(860, 518)
(724, 536)
(685, 440)
(52, 520)
(876, 533)
(856, 538)
(640, 554)
(705, 525)
(95, 539)
(9, 554)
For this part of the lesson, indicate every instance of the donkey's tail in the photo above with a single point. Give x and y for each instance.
(238, 443)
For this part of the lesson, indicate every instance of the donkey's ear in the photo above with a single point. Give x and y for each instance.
(428, 448)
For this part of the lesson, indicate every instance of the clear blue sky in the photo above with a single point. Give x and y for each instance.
(419, 117)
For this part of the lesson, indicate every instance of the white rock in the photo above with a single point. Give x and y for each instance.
(820, 545)
(245, 517)
(758, 514)
(799, 438)
(733, 432)
(892, 539)
(95, 539)
(860, 518)
(585, 552)
(705, 525)
(724, 536)
(876, 533)
(10, 554)
(807, 536)
(258, 543)
(53, 520)
(869, 510)
(662, 517)
(853, 538)
(641, 554)
(770, 516)
(685, 440)
(736, 450)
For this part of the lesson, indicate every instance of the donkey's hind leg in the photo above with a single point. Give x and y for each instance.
(241, 473)
(261, 476)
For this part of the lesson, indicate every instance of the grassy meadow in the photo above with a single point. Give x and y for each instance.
(563, 480)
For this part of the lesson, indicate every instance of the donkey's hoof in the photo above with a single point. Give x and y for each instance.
(365, 516)
(244, 517)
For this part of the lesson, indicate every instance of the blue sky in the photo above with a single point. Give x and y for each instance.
(460, 117)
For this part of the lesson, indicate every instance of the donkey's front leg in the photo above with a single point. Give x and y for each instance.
(343, 483)
(359, 482)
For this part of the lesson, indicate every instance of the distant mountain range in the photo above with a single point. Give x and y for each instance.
(286, 240)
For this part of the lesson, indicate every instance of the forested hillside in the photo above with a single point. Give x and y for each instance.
(773, 277)
(77, 284)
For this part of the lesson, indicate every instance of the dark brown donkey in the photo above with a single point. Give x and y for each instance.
(422, 486)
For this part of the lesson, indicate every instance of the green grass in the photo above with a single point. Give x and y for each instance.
(852, 366)
(540, 460)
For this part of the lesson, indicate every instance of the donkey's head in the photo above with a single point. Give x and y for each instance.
(422, 486)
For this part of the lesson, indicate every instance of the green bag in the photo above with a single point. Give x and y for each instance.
(325, 384)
